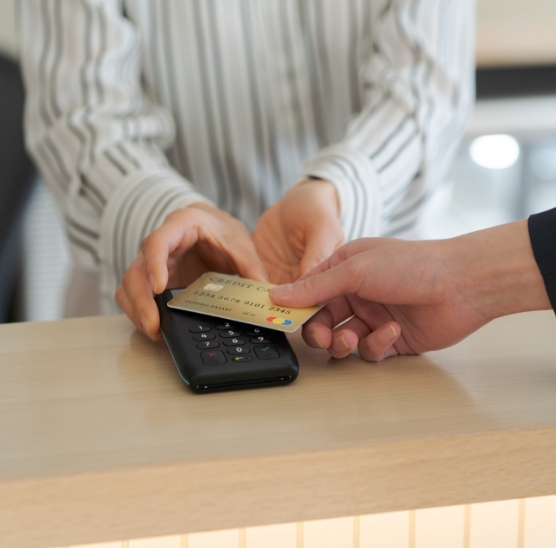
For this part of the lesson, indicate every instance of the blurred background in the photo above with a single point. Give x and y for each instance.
(505, 169)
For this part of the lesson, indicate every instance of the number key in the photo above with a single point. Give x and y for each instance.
(229, 334)
(225, 325)
(238, 350)
(200, 328)
(208, 344)
(204, 337)
(260, 340)
(234, 342)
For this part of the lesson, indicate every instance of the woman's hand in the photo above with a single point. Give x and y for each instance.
(300, 231)
(191, 241)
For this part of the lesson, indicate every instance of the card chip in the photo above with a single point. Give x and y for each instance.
(213, 287)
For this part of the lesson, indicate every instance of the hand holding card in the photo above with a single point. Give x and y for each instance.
(240, 299)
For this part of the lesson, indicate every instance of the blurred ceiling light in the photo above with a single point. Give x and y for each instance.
(494, 151)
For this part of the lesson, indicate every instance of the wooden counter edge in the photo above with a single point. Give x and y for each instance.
(191, 497)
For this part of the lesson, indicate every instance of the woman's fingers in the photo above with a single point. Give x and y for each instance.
(135, 298)
(226, 242)
(245, 257)
(322, 240)
(179, 231)
(222, 240)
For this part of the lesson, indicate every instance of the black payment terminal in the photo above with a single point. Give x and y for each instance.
(212, 354)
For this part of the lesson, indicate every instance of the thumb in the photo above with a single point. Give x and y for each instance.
(320, 245)
(343, 279)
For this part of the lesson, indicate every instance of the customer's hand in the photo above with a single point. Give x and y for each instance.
(299, 231)
(404, 297)
(191, 241)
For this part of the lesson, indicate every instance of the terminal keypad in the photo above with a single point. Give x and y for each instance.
(220, 342)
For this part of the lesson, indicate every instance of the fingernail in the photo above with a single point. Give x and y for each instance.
(281, 290)
(153, 282)
(145, 322)
(317, 340)
(346, 345)
(388, 334)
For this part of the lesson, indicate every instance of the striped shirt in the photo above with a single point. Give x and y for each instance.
(138, 107)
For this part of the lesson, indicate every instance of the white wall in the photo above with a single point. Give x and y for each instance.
(8, 36)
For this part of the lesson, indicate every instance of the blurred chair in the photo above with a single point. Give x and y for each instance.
(17, 177)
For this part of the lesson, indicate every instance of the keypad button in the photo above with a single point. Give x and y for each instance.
(238, 350)
(208, 344)
(225, 325)
(234, 342)
(242, 359)
(255, 331)
(200, 328)
(230, 334)
(260, 340)
(267, 352)
(213, 357)
(204, 337)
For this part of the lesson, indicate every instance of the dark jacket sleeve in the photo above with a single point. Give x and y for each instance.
(542, 232)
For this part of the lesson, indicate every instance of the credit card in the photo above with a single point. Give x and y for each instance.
(240, 299)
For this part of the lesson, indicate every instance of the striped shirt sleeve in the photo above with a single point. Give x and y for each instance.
(94, 133)
(416, 78)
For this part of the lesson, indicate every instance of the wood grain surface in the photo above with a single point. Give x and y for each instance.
(100, 440)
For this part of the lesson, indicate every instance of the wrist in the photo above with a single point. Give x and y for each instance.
(495, 271)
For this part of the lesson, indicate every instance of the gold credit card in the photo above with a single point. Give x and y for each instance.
(240, 299)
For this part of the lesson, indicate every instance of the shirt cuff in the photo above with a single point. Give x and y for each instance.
(137, 207)
(542, 233)
(357, 183)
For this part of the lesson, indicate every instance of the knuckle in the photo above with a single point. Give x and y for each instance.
(307, 335)
(131, 275)
(359, 272)
(367, 350)
(265, 214)
(148, 241)
(171, 216)
(188, 215)
(311, 285)
(237, 226)
(179, 214)
(119, 296)
(126, 280)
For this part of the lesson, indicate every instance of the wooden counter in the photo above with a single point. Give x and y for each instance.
(100, 440)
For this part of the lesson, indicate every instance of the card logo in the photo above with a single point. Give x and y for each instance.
(279, 321)
(213, 287)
